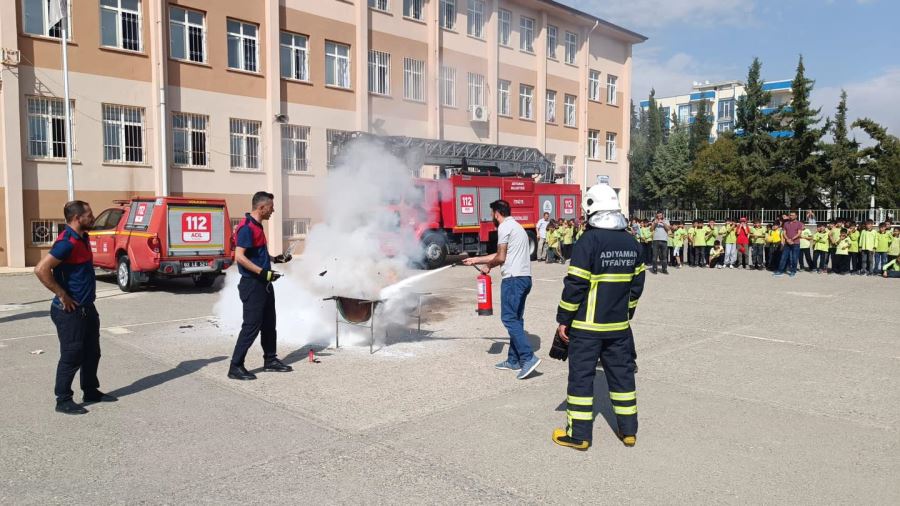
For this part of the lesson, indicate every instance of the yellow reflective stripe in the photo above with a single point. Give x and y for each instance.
(592, 302)
(625, 410)
(580, 415)
(613, 278)
(580, 401)
(632, 303)
(568, 306)
(599, 327)
(581, 273)
(639, 269)
(622, 396)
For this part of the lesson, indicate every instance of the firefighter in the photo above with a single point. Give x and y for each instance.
(255, 289)
(602, 287)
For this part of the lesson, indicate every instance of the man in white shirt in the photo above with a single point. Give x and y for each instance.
(514, 257)
(542, 237)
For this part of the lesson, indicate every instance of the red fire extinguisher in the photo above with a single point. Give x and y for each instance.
(485, 297)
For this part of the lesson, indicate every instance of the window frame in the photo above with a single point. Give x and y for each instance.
(294, 51)
(507, 111)
(612, 87)
(379, 70)
(119, 10)
(571, 54)
(243, 39)
(526, 101)
(47, 116)
(479, 15)
(552, 41)
(244, 138)
(574, 109)
(448, 75)
(335, 59)
(447, 14)
(386, 3)
(504, 27)
(46, 31)
(593, 145)
(569, 166)
(475, 86)
(54, 226)
(191, 128)
(611, 153)
(294, 222)
(594, 85)
(294, 139)
(731, 105)
(186, 23)
(120, 123)
(409, 8)
(526, 44)
(414, 74)
(550, 106)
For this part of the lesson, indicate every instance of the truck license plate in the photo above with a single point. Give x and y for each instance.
(195, 266)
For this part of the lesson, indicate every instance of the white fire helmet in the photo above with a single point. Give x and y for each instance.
(600, 197)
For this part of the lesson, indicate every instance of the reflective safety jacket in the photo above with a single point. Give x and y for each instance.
(603, 284)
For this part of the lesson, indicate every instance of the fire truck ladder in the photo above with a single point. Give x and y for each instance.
(416, 152)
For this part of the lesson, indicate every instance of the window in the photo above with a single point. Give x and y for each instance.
(379, 72)
(726, 110)
(187, 35)
(569, 111)
(379, 5)
(243, 51)
(44, 232)
(475, 15)
(414, 79)
(448, 86)
(331, 155)
(448, 14)
(571, 47)
(244, 144)
(413, 9)
(568, 167)
(526, 34)
(593, 144)
(476, 90)
(684, 114)
(611, 83)
(551, 41)
(294, 148)
(108, 219)
(47, 127)
(189, 134)
(123, 134)
(505, 18)
(503, 98)
(594, 85)
(337, 65)
(526, 99)
(610, 146)
(295, 228)
(36, 19)
(120, 24)
(551, 106)
(725, 126)
(294, 56)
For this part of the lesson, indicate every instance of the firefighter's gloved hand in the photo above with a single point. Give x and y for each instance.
(268, 275)
(560, 349)
(283, 259)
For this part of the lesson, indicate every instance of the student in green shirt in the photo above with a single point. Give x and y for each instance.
(757, 244)
(867, 245)
(678, 236)
(834, 235)
(894, 250)
(882, 245)
(892, 269)
(842, 254)
(853, 235)
(729, 237)
(805, 252)
(820, 245)
(647, 241)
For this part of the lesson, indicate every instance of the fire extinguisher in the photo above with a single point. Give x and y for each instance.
(485, 297)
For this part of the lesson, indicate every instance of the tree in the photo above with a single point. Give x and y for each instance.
(798, 153)
(700, 128)
(716, 180)
(756, 145)
(841, 182)
(882, 161)
(665, 183)
(655, 123)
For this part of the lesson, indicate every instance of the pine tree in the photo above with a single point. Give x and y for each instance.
(665, 183)
(756, 146)
(841, 181)
(882, 161)
(700, 128)
(655, 126)
(798, 153)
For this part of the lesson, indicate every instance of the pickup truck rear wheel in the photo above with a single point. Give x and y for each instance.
(204, 280)
(435, 251)
(125, 276)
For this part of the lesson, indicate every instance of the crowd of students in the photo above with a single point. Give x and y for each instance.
(560, 235)
(838, 247)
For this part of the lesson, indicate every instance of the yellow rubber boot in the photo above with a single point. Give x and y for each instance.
(628, 441)
(562, 438)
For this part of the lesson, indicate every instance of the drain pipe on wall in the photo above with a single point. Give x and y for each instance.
(587, 67)
(163, 141)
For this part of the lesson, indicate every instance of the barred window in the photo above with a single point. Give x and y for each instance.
(476, 90)
(571, 47)
(593, 144)
(123, 134)
(295, 228)
(551, 106)
(569, 110)
(503, 98)
(187, 34)
(379, 72)
(526, 34)
(243, 48)
(505, 18)
(448, 14)
(337, 65)
(448, 86)
(526, 101)
(189, 135)
(611, 85)
(552, 41)
(294, 56)
(413, 9)
(47, 127)
(294, 148)
(244, 144)
(36, 19)
(120, 24)
(45, 232)
(594, 85)
(475, 18)
(414, 79)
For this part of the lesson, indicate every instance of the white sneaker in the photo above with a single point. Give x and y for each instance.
(718, 267)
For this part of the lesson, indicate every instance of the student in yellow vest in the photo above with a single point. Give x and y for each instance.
(867, 243)
(774, 243)
(842, 254)
(568, 239)
(820, 245)
(834, 235)
(552, 243)
(729, 238)
(853, 235)
(805, 250)
(758, 244)
(647, 241)
(678, 238)
(716, 255)
(894, 250)
(710, 236)
(882, 245)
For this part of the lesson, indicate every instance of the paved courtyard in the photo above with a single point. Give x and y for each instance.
(751, 390)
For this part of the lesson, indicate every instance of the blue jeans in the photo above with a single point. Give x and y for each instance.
(789, 256)
(880, 260)
(513, 292)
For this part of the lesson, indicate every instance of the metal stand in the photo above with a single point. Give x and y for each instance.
(370, 325)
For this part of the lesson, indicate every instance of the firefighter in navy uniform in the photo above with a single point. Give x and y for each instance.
(255, 289)
(602, 287)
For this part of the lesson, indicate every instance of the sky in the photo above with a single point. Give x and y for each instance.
(846, 44)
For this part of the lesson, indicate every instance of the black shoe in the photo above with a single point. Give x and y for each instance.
(68, 407)
(276, 365)
(98, 396)
(240, 373)
(665, 272)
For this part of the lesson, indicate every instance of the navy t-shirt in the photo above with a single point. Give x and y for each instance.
(250, 236)
(76, 272)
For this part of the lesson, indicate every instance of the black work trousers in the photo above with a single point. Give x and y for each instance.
(616, 354)
(661, 255)
(79, 348)
(259, 316)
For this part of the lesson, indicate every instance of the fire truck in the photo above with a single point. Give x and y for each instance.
(451, 214)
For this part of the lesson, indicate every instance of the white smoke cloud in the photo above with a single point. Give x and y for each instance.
(360, 250)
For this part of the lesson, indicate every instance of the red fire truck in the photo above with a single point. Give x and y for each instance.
(148, 237)
(451, 215)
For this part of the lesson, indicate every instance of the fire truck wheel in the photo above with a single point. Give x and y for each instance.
(204, 280)
(434, 250)
(532, 244)
(125, 276)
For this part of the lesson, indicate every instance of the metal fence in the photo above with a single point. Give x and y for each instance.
(770, 215)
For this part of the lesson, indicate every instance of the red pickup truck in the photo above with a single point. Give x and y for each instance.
(150, 237)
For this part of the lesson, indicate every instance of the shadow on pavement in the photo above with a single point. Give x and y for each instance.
(24, 316)
(154, 380)
(174, 286)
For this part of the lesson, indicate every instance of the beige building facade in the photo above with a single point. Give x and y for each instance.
(218, 99)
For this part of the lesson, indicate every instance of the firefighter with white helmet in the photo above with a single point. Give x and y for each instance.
(602, 287)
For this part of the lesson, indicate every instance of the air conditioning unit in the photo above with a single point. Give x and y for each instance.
(10, 57)
(479, 114)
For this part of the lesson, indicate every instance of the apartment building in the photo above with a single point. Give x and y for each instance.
(220, 98)
(721, 99)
